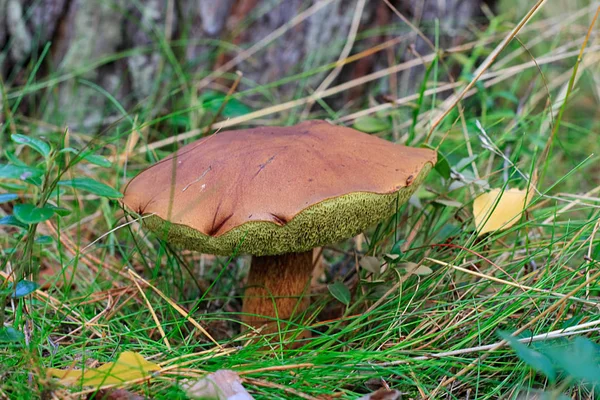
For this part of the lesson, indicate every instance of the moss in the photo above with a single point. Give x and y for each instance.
(327, 222)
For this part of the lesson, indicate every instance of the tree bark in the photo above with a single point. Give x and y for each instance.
(177, 39)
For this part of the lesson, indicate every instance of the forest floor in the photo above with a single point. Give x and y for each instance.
(522, 115)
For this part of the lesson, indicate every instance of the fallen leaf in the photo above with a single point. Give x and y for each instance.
(129, 366)
(221, 385)
(499, 209)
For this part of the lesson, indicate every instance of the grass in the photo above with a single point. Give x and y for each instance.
(429, 336)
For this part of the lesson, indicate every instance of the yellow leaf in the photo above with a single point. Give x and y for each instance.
(492, 214)
(128, 367)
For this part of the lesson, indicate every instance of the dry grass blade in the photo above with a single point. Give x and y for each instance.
(287, 389)
(561, 333)
(524, 288)
(179, 309)
(154, 316)
(454, 100)
(447, 381)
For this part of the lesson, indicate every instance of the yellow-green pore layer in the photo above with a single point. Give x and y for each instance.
(327, 222)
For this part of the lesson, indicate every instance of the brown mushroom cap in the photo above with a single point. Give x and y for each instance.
(274, 190)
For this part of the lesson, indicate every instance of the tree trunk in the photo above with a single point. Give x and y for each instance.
(178, 40)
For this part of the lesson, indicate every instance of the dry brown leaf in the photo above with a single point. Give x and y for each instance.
(499, 209)
(128, 367)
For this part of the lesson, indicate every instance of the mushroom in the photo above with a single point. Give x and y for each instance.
(276, 193)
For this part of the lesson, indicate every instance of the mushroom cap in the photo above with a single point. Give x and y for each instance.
(275, 190)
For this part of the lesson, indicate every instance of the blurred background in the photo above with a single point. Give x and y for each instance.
(150, 57)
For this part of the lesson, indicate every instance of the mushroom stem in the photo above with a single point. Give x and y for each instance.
(276, 289)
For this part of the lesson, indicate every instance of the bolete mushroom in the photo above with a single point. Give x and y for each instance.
(276, 193)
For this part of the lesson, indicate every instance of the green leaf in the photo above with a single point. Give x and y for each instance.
(9, 171)
(92, 186)
(10, 220)
(442, 166)
(8, 185)
(24, 288)
(534, 359)
(30, 214)
(340, 292)
(397, 247)
(233, 108)
(98, 160)
(371, 124)
(13, 159)
(60, 211)
(38, 145)
(10, 334)
(91, 158)
(580, 359)
(7, 197)
(44, 239)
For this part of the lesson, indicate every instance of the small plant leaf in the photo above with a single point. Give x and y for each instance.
(38, 145)
(340, 292)
(442, 166)
(371, 124)
(128, 367)
(30, 214)
(213, 101)
(534, 359)
(371, 264)
(91, 158)
(9, 334)
(60, 211)
(97, 160)
(7, 197)
(24, 288)
(580, 359)
(44, 239)
(8, 171)
(397, 247)
(8, 185)
(92, 186)
(10, 220)
(497, 210)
